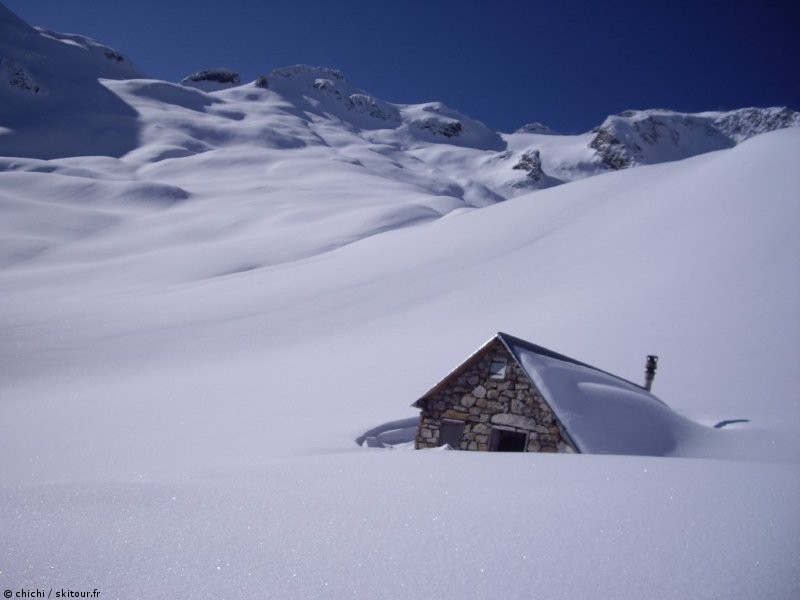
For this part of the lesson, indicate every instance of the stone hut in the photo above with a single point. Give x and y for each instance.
(514, 396)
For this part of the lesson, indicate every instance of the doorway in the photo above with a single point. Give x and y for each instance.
(505, 440)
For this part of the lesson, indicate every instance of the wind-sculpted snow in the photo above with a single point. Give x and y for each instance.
(161, 92)
(605, 415)
(47, 209)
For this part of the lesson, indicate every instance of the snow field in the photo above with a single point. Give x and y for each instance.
(417, 524)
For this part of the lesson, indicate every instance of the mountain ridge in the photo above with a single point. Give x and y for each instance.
(61, 100)
(636, 137)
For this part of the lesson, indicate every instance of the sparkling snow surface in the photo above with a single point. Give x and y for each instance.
(194, 334)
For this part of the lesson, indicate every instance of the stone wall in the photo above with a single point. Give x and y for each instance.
(482, 403)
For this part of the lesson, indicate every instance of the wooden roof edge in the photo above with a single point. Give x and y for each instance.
(463, 365)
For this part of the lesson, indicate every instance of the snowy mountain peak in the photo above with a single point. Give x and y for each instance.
(12, 28)
(536, 127)
(44, 53)
(744, 123)
(107, 62)
(52, 102)
(434, 122)
(307, 73)
(326, 91)
(636, 137)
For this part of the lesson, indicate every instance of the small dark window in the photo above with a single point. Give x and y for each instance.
(497, 370)
(450, 432)
(504, 440)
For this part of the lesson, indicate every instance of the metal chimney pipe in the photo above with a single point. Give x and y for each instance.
(650, 371)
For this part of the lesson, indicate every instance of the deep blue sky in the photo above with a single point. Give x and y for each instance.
(566, 63)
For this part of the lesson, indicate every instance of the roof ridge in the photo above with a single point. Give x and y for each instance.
(509, 341)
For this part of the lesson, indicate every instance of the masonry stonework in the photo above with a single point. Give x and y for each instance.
(484, 403)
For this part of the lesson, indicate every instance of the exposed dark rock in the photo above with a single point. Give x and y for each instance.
(367, 104)
(611, 150)
(650, 136)
(308, 71)
(747, 122)
(449, 130)
(531, 161)
(113, 55)
(17, 76)
(214, 75)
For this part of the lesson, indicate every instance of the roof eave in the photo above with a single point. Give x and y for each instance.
(465, 363)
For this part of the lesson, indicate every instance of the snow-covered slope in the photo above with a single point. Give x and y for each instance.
(173, 399)
(196, 330)
(51, 102)
(606, 270)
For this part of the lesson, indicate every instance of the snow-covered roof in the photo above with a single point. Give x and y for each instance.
(600, 412)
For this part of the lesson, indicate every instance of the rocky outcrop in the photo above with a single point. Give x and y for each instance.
(613, 153)
(448, 129)
(434, 122)
(639, 137)
(308, 71)
(441, 123)
(336, 94)
(531, 162)
(212, 79)
(744, 123)
(16, 76)
(357, 102)
(366, 104)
